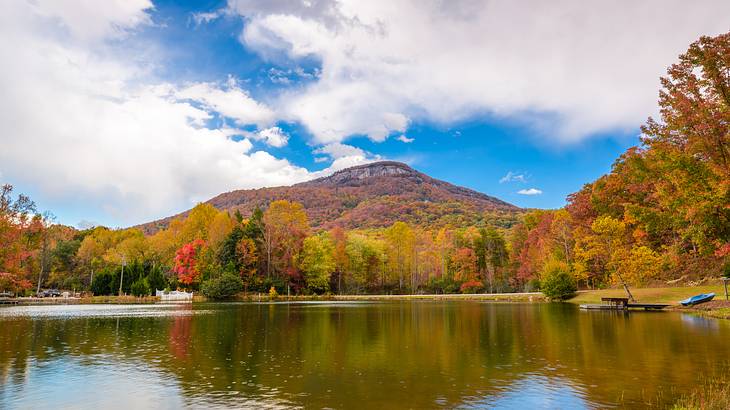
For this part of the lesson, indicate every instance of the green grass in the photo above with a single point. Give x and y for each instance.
(649, 295)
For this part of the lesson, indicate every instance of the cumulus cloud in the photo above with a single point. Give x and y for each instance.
(568, 68)
(513, 177)
(343, 156)
(274, 136)
(81, 123)
(231, 101)
(405, 139)
(530, 192)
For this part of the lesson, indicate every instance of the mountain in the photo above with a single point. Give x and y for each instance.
(371, 196)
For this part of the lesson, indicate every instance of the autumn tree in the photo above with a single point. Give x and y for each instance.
(639, 265)
(247, 258)
(492, 257)
(285, 227)
(366, 263)
(339, 240)
(186, 262)
(400, 246)
(465, 265)
(444, 244)
(16, 217)
(198, 222)
(318, 262)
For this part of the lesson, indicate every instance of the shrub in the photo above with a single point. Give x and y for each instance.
(156, 280)
(102, 284)
(472, 286)
(222, 287)
(557, 284)
(533, 285)
(273, 294)
(443, 284)
(140, 287)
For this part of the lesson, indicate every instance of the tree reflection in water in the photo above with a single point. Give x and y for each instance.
(383, 355)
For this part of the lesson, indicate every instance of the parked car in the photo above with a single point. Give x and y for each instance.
(49, 293)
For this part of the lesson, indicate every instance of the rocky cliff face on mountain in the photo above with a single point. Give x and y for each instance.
(372, 196)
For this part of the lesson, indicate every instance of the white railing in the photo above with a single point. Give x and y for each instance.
(174, 296)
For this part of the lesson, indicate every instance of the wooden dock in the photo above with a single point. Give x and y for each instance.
(622, 304)
(645, 306)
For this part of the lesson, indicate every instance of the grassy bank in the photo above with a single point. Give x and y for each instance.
(127, 299)
(253, 297)
(670, 296)
(499, 297)
(718, 308)
(85, 300)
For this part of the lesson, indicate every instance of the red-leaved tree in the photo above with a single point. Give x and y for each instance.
(186, 260)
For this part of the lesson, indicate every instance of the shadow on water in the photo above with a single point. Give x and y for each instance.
(349, 355)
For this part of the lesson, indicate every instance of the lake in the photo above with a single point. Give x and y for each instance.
(419, 354)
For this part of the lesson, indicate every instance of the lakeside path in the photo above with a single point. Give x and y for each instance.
(505, 297)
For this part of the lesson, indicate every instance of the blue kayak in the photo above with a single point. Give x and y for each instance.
(697, 299)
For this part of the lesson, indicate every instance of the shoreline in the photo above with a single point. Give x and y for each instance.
(719, 307)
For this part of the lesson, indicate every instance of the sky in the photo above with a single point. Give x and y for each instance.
(121, 112)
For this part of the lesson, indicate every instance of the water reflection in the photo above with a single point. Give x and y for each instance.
(87, 311)
(383, 355)
(704, 323)
(534, 392)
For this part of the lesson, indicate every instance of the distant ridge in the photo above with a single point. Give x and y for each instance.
(371, 196)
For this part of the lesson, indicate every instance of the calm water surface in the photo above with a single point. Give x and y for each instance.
(352, 355)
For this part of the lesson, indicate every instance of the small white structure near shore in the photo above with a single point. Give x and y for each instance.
(174, 296)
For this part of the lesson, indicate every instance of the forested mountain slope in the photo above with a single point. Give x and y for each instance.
(372, 196)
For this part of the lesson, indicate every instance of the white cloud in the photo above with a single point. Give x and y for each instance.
(274, 136)
(513, 177)
(290, 76)
(232, 102)
(531, 191)
(206, 17)
(338, 150)
(405, 139)
(81, 124)
(568, 68)
(343, 156)
(90, 24)
(86, 224)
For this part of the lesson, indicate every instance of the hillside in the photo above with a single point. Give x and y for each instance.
(370, 196)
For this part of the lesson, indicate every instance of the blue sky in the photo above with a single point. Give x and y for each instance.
(137, 111)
